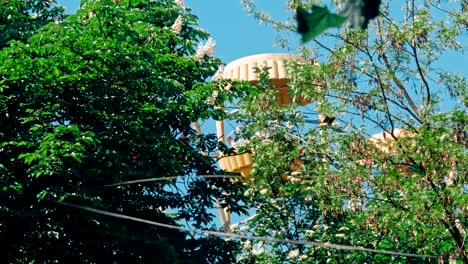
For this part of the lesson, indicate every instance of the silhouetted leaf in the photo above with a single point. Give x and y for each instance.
(310, 25)
(359, 12)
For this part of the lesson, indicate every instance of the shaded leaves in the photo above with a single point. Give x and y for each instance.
(357, 12)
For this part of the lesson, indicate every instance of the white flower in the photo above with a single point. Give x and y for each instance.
(459, 226)
(177, 26)
(295, 173)
(247, 244)
(263, 191)
(179, 2)
(200, 51)
(207, 49)
(452, 259)
(343, 228)
(210, 46)
(294, 179)
(293, 253)
(215, 94)
(244, 228)
(249, 192)
(450, 178)
(228, 87)
(212, 100)
(219, 73)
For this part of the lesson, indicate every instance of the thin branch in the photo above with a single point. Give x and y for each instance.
(101, 29)
(394, 102)
(397, 81)
(401, 86)
(378, 96)
(323, 46)
(457, 236)
(420, 71)
(443, 10)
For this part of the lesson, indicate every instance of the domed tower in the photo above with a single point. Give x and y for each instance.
(244, 69)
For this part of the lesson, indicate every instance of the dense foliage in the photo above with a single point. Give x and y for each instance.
(403, 192)
(104, 96)
(20, 19)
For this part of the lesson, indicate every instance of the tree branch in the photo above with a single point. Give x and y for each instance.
(420, 71)
(396, 80)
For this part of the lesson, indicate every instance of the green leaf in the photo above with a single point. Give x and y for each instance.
(310, 25)
(40, 196)
(76, 157)
(53, 234)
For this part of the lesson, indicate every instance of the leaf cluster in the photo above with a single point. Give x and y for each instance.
(108, 95)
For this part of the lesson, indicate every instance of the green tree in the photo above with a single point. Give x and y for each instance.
(406, 192)
(20, 19)
(105, 96)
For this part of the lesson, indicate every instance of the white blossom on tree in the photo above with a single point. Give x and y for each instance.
(206, 50)
(177, 26)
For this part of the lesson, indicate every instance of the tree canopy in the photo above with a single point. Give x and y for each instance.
(94, 103)
(388, 172)
(106, 95)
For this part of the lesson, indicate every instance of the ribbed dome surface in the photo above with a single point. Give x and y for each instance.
(243, 69)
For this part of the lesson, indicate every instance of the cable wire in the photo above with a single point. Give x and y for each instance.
(168, 178)
(258, 238)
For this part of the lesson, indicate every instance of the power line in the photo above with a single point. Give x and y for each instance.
(258, 238)
(167, 179)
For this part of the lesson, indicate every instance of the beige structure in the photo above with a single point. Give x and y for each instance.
(244, 69)
(240, 163)
(386, 142)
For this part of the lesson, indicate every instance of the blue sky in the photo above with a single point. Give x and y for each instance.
(236, 33)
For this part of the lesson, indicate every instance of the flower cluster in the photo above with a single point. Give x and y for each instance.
(206, 50)
(219, 73)
(177, 26)
(212, 100)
